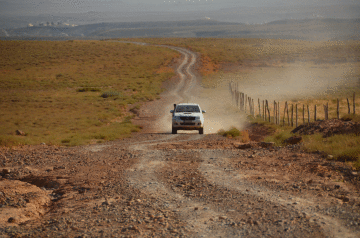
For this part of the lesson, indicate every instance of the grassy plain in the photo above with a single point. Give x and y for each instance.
(76, 92)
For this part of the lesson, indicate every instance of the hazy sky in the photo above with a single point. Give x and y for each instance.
(30, 7)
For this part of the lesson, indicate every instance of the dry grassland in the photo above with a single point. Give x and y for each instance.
(76, 92)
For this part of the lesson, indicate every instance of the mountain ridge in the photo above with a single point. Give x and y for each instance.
(305, 29)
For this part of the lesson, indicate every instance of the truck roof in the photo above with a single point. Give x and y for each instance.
(188, 104)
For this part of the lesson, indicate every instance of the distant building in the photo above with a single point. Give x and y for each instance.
(30, 25)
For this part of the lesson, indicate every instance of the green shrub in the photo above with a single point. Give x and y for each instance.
(65, 141)
(88, 90)
(232, 133)
(110, 94)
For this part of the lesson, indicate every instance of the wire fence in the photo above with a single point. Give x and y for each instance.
(271, 111)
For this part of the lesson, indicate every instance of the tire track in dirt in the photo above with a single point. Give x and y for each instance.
(188, 78)
(143, 177)
(235, 181)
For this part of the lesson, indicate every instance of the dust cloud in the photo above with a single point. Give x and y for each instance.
(221, 113)
(297, 81)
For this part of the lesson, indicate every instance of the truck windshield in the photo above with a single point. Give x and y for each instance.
(187, 108)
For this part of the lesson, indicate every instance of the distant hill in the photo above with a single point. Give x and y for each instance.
(309, 29)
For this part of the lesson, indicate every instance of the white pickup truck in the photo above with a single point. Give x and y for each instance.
(187, 116)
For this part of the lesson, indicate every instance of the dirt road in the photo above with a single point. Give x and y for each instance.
(156, 184)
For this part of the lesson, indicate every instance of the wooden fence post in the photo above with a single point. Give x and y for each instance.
(250, 104)
(303, 114)
(315, 113)
(245, 102)
(259, 107)
(287, 112)
(279, 114)
(308, 114)
(264, 112)
(354, 103)
(348, 102)
(296, 115)
(240, 100)
(338, 109)
(292, 115)
(325, 112)
(275, 119)
(253, 106)
(284, 113)
(268, 110)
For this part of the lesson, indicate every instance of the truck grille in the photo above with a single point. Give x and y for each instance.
(187, 118)
(187, 124)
